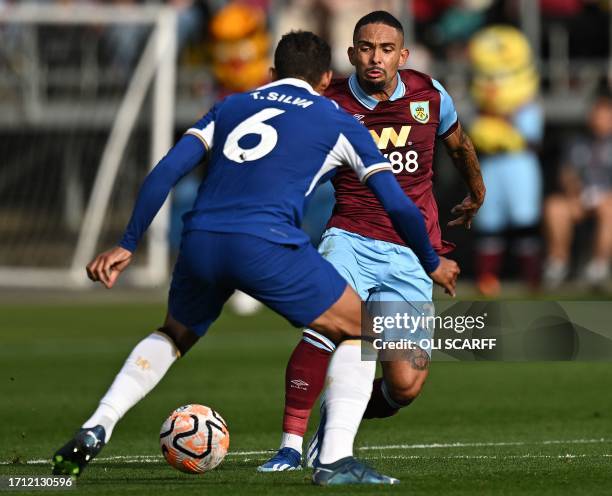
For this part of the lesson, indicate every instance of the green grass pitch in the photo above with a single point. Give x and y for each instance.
(478, 428)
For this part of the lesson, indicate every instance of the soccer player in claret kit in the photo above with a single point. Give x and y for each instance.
(406, 112)
(266, 151)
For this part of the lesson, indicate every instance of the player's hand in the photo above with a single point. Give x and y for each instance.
(446, 275)
(466, 210)
(107, 266)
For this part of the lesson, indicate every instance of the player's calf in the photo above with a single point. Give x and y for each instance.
(400, 385)
(304, 381)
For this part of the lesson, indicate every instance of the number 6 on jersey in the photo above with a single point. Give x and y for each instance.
(252, 125)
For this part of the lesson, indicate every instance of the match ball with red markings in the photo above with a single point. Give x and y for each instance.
(194, 439)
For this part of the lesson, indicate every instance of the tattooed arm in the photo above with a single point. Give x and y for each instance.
(461, 150)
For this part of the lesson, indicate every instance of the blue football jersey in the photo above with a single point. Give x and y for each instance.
(267, 151)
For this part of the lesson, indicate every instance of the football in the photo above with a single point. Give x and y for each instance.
(194, 439)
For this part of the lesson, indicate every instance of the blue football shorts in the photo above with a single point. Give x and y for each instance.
(387, 276)
(294, 281)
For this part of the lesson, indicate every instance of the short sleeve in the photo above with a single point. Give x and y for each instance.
(204, 129)
(448, 114)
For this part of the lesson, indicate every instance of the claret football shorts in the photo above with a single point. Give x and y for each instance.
(294, 281)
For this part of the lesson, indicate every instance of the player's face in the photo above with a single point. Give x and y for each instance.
(377, 54)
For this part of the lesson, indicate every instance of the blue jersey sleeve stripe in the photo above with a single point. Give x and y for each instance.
(448, 114)
(373, 169)
(196, 134)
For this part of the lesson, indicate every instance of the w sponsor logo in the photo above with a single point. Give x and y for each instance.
(389, 134)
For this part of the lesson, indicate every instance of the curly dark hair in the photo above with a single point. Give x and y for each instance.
(302, 54)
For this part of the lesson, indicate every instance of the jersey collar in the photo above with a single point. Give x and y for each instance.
(368, 101)
(293, 82)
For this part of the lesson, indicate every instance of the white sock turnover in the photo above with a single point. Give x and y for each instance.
(348, 392)
(144, 368)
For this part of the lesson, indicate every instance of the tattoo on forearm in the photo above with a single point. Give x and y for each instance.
(466, 161)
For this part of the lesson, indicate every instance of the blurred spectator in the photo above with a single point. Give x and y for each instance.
(509, 125)
(586, 191)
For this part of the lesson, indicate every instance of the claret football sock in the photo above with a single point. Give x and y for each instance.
(144, 368)
(349, 382)
(381, 404)
(304, 380)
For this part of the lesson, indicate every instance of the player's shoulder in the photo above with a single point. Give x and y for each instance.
(419, 81)
(227, 102)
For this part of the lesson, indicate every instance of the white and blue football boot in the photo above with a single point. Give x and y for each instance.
(284, 460)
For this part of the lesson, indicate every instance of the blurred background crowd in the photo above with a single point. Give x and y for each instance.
(531, 81)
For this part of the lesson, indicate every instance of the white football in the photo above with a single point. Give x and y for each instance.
(194, 439)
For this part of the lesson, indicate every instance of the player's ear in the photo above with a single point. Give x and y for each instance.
(325, 81)
(351, 55)
(272, 73)
(404, 54)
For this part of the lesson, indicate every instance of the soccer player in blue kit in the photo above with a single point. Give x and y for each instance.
(266, 151)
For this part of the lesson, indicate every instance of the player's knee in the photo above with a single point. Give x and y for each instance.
(350, 329)
(342, 321)
(406, 390)
(182, 337)
(341, 331)
(338, 326)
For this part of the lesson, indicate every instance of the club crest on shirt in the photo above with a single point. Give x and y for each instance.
(420, 111)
